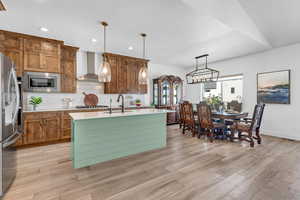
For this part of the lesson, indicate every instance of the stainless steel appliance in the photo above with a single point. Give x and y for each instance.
(10, 118)
(41, 82)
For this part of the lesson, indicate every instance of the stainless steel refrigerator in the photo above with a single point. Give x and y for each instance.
(10, 118)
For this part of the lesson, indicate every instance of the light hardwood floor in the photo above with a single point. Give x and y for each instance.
(187, 169)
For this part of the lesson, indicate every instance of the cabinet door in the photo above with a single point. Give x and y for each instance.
(122, 78)
(17, 57)
(68, 77)
(33, 129)
(68, 69)
(50, 63)
(12, 46)
(52, 128)
(41, 56)
(132, 77)
(33, 61)
(66, 126)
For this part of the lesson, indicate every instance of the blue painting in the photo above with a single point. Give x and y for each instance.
(273, 87)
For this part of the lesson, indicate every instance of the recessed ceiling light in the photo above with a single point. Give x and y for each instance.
(130, 48)
(44, 29)
(94, 40)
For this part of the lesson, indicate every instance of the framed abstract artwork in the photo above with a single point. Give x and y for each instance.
(274, 87)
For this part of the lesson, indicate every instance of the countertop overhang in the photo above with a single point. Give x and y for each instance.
(99, 115)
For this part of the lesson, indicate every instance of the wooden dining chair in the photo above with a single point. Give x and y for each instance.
(206, 122)
(189, 122)
(180, 113)
(250, 125)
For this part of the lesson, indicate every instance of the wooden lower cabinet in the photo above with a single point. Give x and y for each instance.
(47, 127)
(41, 128)
(51, 127)
(66, 126)
(33, 130)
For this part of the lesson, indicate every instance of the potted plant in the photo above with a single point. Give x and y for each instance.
(34, 101)
(138, 102)
(215, 102)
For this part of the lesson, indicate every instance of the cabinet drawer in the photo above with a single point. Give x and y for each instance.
(29, 116)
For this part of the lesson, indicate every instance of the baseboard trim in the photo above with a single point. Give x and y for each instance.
(280, 135)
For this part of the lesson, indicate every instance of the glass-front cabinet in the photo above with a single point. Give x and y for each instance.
(167, 93)
(165, 96)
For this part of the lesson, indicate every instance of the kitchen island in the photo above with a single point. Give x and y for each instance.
(101, 136)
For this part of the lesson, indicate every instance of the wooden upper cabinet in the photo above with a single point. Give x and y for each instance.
(132, 77)
(68, 69)
(42, 55)
(125, 72)
(11, 45)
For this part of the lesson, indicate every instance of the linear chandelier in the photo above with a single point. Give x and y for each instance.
(202, 75)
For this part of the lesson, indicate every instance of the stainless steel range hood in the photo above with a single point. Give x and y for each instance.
(91, 75)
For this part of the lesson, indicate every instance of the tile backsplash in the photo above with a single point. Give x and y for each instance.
(55, 100)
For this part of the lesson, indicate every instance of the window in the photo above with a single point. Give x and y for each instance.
(228, 88)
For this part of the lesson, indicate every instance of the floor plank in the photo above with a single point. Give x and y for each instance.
(187, 169)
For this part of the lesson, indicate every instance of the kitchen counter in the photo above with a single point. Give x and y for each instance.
(98, 137)
(106, 114)
(27, 110)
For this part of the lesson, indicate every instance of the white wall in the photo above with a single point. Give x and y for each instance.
(54, 100)
(278, 120)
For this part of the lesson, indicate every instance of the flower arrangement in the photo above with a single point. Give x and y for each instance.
(215, 102)
(34, 101)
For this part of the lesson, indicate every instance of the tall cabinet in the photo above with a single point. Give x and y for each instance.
(167, 93)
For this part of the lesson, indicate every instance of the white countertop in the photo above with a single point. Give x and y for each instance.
(61, 109)
(29, 110)
(99, 115)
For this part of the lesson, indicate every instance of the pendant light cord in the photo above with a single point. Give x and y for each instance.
(144, 44)
(104, 38)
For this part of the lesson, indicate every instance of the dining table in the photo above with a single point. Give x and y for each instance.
(228, 115)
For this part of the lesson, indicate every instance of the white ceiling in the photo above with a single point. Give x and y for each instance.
(178, 30)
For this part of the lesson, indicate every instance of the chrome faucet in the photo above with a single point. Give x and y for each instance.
(118, 100)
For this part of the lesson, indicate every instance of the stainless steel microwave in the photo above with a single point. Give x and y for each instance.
(41, 82)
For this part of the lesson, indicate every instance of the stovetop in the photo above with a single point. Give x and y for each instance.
(97, 106)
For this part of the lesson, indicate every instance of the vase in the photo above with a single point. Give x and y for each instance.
(34, 107)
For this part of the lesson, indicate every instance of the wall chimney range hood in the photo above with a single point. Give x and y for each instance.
(91, 75)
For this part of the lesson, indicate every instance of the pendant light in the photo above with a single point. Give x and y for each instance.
(143, 73)
(2, 8)
(104, 75)
(202, 75)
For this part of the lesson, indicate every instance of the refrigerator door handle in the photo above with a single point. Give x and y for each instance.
(11, 140)
(14, 74)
